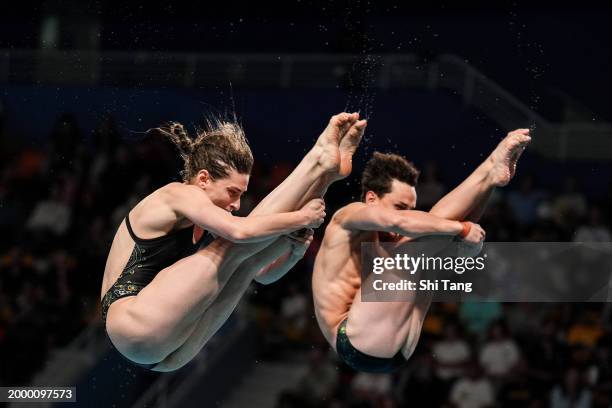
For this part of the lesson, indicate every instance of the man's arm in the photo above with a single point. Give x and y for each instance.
(409, 223)
(193, 204)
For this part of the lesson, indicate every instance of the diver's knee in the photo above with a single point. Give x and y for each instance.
(172, 362)
(140, 342)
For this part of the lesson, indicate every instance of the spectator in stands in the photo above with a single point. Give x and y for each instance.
(451, 355)
(523, 319)
(586, 331)
(524, 202)
(571, 205)
(372, 389)
(546, 354)
(520, 391)
(293, 313)
(603, 390)
(595, 230)
(570, 393)
(417, 384)
(50, 215)
(472, 390)
(500, 354)
(478, 316)
(498, 219)
(319, 382)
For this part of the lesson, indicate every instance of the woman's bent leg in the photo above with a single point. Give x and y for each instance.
(223, 306)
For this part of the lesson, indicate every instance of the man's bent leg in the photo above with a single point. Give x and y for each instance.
(461, 201)
(469, 199)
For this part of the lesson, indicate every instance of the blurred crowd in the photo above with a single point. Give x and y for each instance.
(479, 355)
(62, 199)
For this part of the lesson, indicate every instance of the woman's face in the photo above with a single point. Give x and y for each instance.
(226, 192)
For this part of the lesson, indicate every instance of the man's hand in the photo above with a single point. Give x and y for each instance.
(475, 235)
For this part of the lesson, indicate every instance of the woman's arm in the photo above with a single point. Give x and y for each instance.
(193, 204)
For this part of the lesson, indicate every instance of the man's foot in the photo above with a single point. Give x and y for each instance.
(348, 146)
(327, 146)
(505, 156)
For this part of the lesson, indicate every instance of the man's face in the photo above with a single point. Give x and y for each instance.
(226, 192)
(401, 197)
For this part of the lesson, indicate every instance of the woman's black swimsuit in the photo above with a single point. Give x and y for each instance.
(148, 258)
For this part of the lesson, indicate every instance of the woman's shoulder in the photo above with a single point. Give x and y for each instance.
(174, 191)
(179, 188)
(164, 192)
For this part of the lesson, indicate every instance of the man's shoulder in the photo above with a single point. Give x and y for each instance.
(336, 224)
(349, 208)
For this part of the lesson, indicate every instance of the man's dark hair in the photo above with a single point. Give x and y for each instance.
(380, 171)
